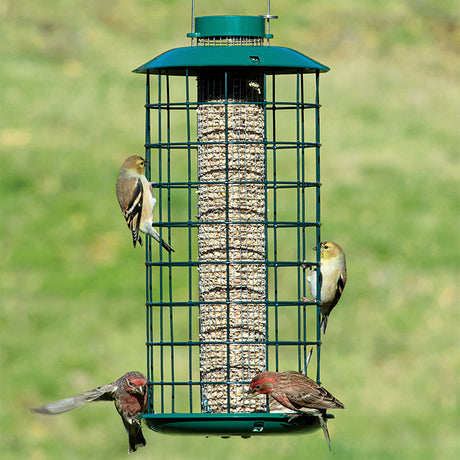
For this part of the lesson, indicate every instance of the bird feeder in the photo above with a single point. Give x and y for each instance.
(232, 141)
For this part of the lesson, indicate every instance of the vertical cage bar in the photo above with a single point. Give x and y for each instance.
(160, 269)
(318, 229)
(168, 175)
(232, 190)
(275, 243)
(266, 256)
(189, 235)
(300, 323)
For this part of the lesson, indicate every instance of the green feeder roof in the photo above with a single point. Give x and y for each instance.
(194, 59)
(274, 59)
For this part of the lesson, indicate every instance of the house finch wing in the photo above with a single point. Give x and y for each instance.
(305, 392)
(277, 408)
(103, 393)
(318, 398)
(282, 398)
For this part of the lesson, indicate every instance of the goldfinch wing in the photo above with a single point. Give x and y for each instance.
(338, 292)
(133, 211)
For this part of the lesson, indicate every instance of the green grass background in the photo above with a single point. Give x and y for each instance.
(72, 287)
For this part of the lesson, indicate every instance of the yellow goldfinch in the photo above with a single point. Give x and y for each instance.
(136, 199)
(332, 279)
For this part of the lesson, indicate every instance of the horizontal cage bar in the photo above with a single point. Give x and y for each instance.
(236, 342)
(268, 105)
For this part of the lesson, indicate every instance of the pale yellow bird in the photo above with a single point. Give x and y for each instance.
(332, 279)
(135, 195)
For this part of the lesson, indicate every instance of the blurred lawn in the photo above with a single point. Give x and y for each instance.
(72, 287)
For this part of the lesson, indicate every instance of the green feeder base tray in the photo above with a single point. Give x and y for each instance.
(226, 425)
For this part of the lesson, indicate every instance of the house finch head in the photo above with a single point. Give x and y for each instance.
(332, 281)
(135, 196)
(130, 398)
(296, 392)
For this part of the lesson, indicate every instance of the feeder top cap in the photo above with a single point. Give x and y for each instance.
(229, 26)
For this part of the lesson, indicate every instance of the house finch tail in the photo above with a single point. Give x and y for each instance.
(135, 436)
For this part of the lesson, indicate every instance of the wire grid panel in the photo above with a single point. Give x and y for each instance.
(236, 174)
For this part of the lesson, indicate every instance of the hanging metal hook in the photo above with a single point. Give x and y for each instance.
(268, 16)
(193, 22)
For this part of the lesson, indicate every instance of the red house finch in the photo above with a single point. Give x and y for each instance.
(296, 392)
(332, 280)
(130, 397)
(135, 196)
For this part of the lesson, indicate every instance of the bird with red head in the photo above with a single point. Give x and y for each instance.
(129, 395)
(298, 393)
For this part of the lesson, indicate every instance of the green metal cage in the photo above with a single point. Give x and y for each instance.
(232, 141)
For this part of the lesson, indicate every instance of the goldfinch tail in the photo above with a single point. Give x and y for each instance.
(136, 238)
(154, 234)
(324, 323)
